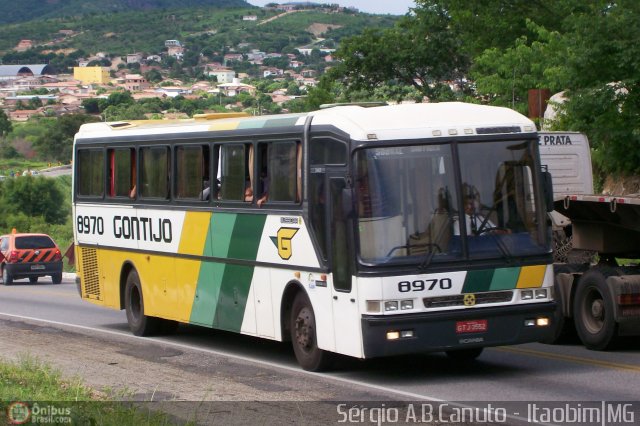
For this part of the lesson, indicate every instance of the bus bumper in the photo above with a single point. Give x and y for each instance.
(444, 331)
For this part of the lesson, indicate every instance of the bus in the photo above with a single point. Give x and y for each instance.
(342, 231)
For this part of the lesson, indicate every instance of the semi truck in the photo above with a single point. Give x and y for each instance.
(596, 242)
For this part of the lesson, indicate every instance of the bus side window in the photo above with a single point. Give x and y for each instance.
(233, 171)
(154, 172)
(281, 174)
(121, 172)
(192, 172)
(90, 169)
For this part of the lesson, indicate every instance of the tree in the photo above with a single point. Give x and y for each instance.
(592, 55)
(57, 143)
(420, 51)
(5, 124)
(34, 196)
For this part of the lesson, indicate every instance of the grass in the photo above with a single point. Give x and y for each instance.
(20, 165)
(39, 385)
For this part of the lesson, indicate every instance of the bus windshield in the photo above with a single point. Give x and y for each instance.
(410, 209)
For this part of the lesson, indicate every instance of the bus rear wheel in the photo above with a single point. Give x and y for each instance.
(139, 323)
(304, 336)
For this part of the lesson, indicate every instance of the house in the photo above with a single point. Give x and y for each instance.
(174, 48)
(272, 72)
(24, 114)
(249, 18)
(24, 45)
(235, 87)
(233, 57)
(90, 75)
(223, 75)
(134, 58)
(135, 82)
(173, 91)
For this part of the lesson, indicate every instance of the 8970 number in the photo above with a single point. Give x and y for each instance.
(420, 285)
(90, 225)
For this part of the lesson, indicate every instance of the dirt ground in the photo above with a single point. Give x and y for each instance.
(622, 186)
(190, 385)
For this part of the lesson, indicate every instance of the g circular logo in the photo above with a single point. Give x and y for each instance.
(18, 413)
(469, 299)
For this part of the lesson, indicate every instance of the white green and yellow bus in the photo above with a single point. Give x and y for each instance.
(339, 230)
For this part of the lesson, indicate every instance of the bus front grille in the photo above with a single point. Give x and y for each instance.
(459, 299)
(90, 276)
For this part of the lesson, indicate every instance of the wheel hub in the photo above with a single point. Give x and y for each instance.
(597, 309)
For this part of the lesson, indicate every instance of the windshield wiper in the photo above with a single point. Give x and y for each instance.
(429, 256)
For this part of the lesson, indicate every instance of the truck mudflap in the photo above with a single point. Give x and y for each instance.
(385, 335)
(625, 290)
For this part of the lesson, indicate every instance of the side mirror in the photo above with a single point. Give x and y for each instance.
(547, 189)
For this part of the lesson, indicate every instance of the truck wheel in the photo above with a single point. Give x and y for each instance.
(139, 323)
(593, 311)
(304, 336)
(56, 278)
(7, 278)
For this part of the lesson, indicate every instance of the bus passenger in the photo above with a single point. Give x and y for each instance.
(248, 194)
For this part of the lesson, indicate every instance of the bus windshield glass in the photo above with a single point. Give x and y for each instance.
(410, 209)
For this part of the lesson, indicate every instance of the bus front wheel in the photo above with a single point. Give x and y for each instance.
(139, 323)
(304, 336)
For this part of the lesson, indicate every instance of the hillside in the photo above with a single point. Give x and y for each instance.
(27, 10)
(199, 29)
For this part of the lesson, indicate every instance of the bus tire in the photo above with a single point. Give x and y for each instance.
(304, 336)
(593, 311)
(7, 278)
(464, 354)
(139, 323)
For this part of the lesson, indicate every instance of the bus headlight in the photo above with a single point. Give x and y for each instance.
(406, 304)
(391, 306)
(526, 294)
(541, 293)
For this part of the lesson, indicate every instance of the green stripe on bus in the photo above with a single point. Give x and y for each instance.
(205, 303)
(279, 122)
(237, 278)
(505, 278)
(478, 281)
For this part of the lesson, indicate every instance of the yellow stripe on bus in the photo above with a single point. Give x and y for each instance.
(224, 125)
(531, 276)
(193, 239)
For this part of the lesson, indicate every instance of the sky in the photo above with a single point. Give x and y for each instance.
(394, 7)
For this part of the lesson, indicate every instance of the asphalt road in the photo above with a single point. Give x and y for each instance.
(531, 372)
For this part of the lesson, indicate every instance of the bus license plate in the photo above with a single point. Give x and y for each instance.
(37, 267)
(475, 326)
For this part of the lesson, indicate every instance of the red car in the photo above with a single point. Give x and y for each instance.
(29, 256)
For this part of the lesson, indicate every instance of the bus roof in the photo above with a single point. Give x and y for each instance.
(404, 121)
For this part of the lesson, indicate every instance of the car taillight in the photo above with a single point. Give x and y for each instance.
(13, 256)
(57, 255)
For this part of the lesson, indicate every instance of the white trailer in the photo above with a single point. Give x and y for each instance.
(591, 233)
